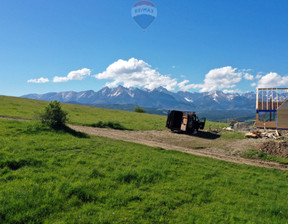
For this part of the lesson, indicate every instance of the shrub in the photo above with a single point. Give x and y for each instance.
(139, 109)
(54, 116)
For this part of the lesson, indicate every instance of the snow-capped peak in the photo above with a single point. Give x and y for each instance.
(188, 100)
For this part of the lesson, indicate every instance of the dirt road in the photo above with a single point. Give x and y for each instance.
(205, 144)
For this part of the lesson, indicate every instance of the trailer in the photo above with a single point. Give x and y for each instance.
(184, 121)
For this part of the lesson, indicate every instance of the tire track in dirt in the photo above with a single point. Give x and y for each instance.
(158, 139)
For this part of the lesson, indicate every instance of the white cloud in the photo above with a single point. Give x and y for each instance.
(259, 75)
(40, 80)
(79, 74)
(183, 87)
(231, 91)
(74, 75)
(60, 79)
(221, 78)
(248, 76)
(246, 70)
(254, 84)
(136, 72)
(216, 79)
(272, 80)
(183, 84)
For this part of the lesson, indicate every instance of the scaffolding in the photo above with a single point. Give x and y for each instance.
(268, 100)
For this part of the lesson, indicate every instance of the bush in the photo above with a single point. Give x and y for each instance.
(139, 109)
(54, 116)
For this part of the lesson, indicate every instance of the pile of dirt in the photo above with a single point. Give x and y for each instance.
(279, 149)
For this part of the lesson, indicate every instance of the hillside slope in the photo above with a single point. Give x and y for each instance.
(82, 115)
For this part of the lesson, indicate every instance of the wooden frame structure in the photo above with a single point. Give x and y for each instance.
(268, 100)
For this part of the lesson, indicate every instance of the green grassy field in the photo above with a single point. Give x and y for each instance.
(82, 115)
(55, 177)
(255, 154)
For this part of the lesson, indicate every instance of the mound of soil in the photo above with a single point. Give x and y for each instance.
(279, 149)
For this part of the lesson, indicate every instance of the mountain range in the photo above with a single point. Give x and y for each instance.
(161, 98)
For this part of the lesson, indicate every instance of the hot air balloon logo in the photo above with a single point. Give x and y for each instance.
(144, 13)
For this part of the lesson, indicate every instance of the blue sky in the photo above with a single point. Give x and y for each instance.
(203, 45)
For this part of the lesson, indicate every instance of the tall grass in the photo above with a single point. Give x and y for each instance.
(55, 177)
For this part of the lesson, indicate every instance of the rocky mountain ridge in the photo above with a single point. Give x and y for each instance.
(157, 98)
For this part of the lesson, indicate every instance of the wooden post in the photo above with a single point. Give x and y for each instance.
(272, 100)
(277, 98)
(270, 116)
(262, 99)
(267, 93)
(257, 99)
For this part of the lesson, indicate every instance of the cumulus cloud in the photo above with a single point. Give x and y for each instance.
(184, 87)
(74, 75)
(79, 74)
(60, 79)
(136, 72)
(248, 76)
(40, 80)
(221, 78)
(272, 80)
(216, 79)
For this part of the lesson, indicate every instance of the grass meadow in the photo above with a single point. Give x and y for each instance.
(57, 177)
(15, 107)
(82, 115)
